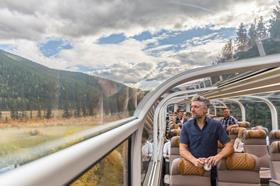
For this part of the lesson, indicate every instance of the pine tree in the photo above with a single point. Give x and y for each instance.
(242, 38)
(275, 23)
(66, 112)
(48, 114)
(261, 29)
(227, 51)
(252, 35)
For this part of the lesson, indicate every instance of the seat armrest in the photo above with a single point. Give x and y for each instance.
(273, 182)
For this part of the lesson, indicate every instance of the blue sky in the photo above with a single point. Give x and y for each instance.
(52, 47)
(174, 40)
(8, 47)
(112, 39)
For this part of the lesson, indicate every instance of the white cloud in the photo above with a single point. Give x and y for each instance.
(90, 53)
(86, 18)
(25, 24)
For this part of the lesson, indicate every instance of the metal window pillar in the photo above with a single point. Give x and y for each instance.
(213, 102)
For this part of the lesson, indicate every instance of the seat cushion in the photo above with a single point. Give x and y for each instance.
(259, 133)
(275, 147)
(187, 168)
(244, 124)
(180, 166)
(241, 161)
(274, 134)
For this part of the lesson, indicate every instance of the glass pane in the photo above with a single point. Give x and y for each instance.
(44, 110)
(111, 170)
(257, 113)
(62, 74)
(235, 111)
(147, 145)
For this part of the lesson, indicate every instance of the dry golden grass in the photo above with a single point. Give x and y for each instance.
(109, 171)
(18, 135)
(88, 120)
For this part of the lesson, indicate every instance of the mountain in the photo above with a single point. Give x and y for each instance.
(26, 85)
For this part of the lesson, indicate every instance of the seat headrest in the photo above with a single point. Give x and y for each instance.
(174, 126)
(244, 124)
(175, 132)
(182, 166)
(261, 128)
(175, 141)
(258, 133)
(241, 161)
(274, 134)
(235, 130)
(275, 147)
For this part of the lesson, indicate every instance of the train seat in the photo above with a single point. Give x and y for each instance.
(184, 173)
(239, 169)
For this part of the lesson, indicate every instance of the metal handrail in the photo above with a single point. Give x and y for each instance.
(61, 167)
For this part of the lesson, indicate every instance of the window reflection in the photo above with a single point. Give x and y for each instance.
(39, 106)
(147, 145)
(111, 170)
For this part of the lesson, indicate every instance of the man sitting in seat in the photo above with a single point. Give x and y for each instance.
(200, 136)
(228, 121)
(180, 117)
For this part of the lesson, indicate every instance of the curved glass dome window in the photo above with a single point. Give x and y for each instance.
(63, 75)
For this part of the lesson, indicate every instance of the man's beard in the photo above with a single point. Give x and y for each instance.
(197, 116)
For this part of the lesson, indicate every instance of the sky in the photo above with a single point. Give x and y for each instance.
(137, 42)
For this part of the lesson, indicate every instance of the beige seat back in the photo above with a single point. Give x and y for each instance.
(255, 143)
(275, 160)
(239, 169)
(184, 173)
(274, 135)
(174, 132)
(174, 150)
(244, 124)
(233, 133)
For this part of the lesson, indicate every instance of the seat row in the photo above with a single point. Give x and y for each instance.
(256, 150)
(241, 169)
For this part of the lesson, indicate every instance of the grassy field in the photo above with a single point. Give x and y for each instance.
(13, 139)
(19, 137)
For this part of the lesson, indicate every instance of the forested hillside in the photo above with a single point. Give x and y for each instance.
(26, 86)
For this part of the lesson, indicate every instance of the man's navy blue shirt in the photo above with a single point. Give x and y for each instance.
(203, 142)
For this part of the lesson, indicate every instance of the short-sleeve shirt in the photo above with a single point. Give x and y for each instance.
(228, 121)
(203, 142)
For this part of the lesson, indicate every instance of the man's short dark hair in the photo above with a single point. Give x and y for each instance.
(201, 99)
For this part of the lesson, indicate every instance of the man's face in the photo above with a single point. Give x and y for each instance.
(226, 113)
(180, 114)
(198, 109)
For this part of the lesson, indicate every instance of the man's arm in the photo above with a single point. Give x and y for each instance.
(185, 153)
(226, 151)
